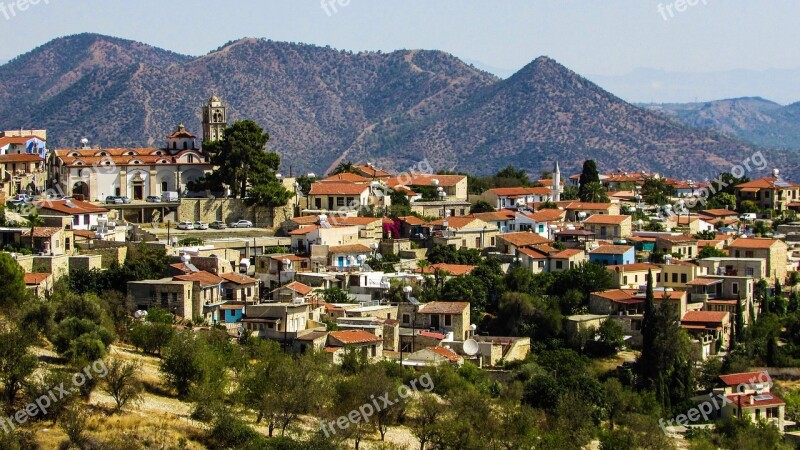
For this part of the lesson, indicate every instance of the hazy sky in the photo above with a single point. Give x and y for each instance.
(608, 37)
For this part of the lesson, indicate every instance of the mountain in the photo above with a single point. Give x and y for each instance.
(658, 86)
(322, 106)
(761, 122)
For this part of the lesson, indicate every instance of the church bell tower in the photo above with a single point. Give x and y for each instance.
(215, 120)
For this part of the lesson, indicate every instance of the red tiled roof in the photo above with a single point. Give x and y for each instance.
(78, 207)
(611, 250)
(304, 230)
(520, 191)
(580, 206)
(754, 243)
(333, 188)
(349, 249)
(345, 177)
(425, 180)
(412, 220)
(238, 278)
(42, 232)
(34, 279)
(353, 220)
(444, 307)
(84, 234)
(452, 269)
(735, 379)
(456, 222)
(306, 220)
(701, 281)
(432, 334)
(605, 219)
(354, 337)
(521, 239)
(680, 239)
(547, 215)
(296, 286)
(446, 352)
(766, 183)
(566, 254)
(20, 158)
(202, 277)
(748, 401)
(716, 317)
(182, 267)
(719, 212)
(17, 140)
(372, 172)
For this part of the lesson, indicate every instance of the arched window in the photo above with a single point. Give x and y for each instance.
(174, 145)
(190, 159)
(185, 145)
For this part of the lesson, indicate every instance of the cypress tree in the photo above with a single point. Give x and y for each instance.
(589, 174)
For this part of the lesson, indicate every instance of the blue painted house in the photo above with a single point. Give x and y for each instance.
(612, 255)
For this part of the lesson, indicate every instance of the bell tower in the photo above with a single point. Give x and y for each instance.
(556, 189)
(215, 119)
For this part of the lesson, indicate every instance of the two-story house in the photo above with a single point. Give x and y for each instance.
(774, 251)
(609, 226)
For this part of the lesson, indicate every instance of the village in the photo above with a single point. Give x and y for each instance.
(382, 266)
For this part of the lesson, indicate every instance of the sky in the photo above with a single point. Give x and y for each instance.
(606, 38)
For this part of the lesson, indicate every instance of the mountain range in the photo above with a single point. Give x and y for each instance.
(754, 119)
(322, 106)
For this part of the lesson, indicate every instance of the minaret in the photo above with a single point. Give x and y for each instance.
(556, 189)
(215, 119)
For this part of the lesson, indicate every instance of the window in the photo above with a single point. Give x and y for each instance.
(67, 244)
(735, 288)
(625, 280)
(185, 145)
(190, 159)
(674, 277)
(448, 320)
(683, 278)
(748, 254)
(749, 271)
(318, 203)
(493, 241)
(76, 220)
(559, 265)
(541, 264)
(339, 201)
(406, 318)
(86, 219)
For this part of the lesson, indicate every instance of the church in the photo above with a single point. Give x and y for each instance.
(137, 173)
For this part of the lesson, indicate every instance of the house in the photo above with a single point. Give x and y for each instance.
(677, 274)
(768, 193)
(503, 219)
(49, 240)
(683, 245)
(342, 342)
(578, 211)
(371, 172)
(448, 317)
(240, 288)
(606, 226)
(172, 295)
(136, 173)
(774, 251)
(22, 163)
(631, 301)
(441, 209)
(344, 198)
(633, 275)
(464, 232)
(346, 177)
(206, 294)
(40, 284)
(433, 356)
(613, 255)
(718, 214)
(83, 215)
(722, 293)
(370, 229)
(689, 224)
(711, 328)
(540, 221)
(291, 291)
(548, 259)
(510, 243)
(275, 270)
(515, 197)
(283, 322)
(749, 396)
(304, 239)
(567, 259)
(728, 266)
(454, 187)
(350, 256)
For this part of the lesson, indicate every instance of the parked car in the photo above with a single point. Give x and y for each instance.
(200, 225)
(242, 224)
(114, 200)
(169, 196)
(185, 226)
(153, 199)
(125, 200)
(218, 225)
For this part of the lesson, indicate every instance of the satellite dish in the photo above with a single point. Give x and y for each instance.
(471, 347)
(140, 314)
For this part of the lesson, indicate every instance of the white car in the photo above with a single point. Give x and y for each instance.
(200, 225)
(242, 224)
(185, 226)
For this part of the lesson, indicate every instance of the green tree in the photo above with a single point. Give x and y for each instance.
(344, 167)
(33, 221)
(12, 284)
(121, 382)
(709, 251)
(481, 207)
(589, 175)
(17, 362)
(656, 191)
(594, 193)
(512, 173)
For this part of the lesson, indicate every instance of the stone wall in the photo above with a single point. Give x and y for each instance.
(230, 210)
(85, 262)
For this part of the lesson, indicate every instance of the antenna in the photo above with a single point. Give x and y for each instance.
(471, 347)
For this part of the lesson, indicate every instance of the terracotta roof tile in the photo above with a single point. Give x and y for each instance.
(754, 243)
(605, 219)
(354, 337)
(522, 239)
(331, 188)
(446, 352)
(444, 307)
(202, 277)
(238, 278)
(34, 279)
(349, 249)
(611, 250)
